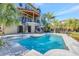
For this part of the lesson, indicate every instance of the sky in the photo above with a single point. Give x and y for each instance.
(62, 11)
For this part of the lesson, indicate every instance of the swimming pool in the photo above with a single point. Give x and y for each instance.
(43, 43)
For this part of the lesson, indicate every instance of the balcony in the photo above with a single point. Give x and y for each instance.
(25, 20)
(29, 6)
(29, 12)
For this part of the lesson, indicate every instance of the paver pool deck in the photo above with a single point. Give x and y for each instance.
(72, 44)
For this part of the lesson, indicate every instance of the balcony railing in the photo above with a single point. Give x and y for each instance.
(28, 7)
(24, 20)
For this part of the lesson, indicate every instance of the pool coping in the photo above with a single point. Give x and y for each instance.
(71, 43)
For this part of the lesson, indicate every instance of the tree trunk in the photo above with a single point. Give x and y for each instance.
(3, 29)
(54, 30)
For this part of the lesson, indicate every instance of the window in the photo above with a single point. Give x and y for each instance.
(20, 4)
(26, 6)
(23, 20)
(37, 20)
(29, 20)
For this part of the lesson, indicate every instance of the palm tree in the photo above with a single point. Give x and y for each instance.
(56, 24)
(71, 24)
(8, 15)
(49, 16)
(46, 20)
(77, 25)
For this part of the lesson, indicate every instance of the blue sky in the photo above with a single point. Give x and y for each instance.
(61, 10)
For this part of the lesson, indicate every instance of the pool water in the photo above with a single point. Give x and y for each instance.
(43, 43)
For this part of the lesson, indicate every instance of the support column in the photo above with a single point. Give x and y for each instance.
(33, 25)
(33, 16)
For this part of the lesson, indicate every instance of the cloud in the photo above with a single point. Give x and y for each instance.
(70, 10)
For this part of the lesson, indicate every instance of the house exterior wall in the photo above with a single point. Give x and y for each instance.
(26, 20)
(32, 24)
(11, 30)
(14, 29)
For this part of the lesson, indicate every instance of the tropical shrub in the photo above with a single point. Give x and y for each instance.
(8, 15)
(1, 42)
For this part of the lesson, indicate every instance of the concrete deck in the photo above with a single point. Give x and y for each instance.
(72, 44)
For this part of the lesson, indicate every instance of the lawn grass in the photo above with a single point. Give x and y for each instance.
(74, 35)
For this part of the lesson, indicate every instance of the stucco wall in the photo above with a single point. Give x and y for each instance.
(32, 24)
(10, 30)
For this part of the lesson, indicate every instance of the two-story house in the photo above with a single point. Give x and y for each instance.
(30, 18)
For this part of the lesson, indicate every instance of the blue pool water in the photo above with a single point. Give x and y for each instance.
(43, 43)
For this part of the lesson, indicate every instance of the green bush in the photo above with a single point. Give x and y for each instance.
(1, 42)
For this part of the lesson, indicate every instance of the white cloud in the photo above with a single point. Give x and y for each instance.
(70, 10)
